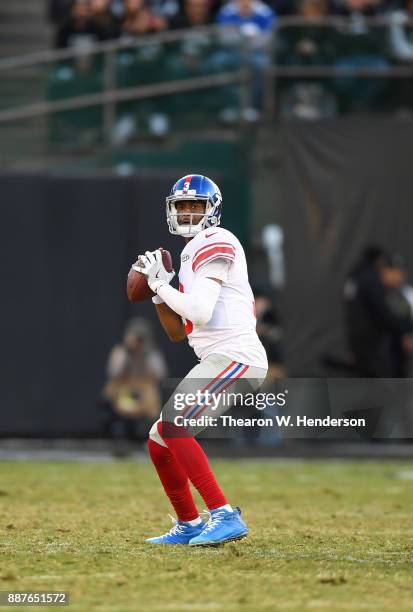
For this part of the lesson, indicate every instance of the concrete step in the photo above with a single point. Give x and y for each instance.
(13, 48)
(18, 28)
(24, 5)
(23, 46)
(24, 27)
(30, 73)
(26, 40)
(22, 10)
(28, 86)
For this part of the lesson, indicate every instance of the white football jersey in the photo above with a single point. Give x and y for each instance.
(232, 328)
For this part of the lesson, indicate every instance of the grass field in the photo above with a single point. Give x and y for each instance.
(323, 536)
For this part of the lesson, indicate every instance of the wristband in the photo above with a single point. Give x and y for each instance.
(157, 299)
(156, 285)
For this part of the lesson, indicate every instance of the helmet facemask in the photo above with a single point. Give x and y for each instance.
(198, 221)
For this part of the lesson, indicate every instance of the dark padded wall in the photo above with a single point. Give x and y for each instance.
(66, 247)
(337, 186)
(67, 244)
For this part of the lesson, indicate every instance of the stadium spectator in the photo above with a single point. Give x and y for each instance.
(307, 45)
(401, 49)
(311, 43)
(140, 19)
(360, 45)
(105, 18)
(59, 10)
(194, 13)
(193, 54)
(378, 318)
(87, 22)
(356, 8)
(270, 333)
(283, 7)
(312, 9)
(253, 21)
(196, 54)
(76, 29)
(135, 369)
(398, 300)
(401, 38)
(165, 9)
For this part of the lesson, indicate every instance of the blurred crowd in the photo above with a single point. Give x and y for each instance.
(81, 23)
(102, 20)
(379, 315)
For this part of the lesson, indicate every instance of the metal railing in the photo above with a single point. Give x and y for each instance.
(343, 25)
(111, 94)
(51, 55)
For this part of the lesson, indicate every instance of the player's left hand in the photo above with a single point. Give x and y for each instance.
(154, 269)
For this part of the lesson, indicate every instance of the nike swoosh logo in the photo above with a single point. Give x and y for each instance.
(209, 235)
(157, 274)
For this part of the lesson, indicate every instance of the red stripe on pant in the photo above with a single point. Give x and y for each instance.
(220, 375)
(231, 380)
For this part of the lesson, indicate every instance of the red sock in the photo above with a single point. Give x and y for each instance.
(195, 464)
(174, 481)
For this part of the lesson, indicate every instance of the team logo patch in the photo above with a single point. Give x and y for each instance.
(184, 258)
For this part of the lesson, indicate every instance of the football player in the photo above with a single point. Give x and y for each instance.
(214, 309)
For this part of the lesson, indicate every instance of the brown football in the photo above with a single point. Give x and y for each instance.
(137, 286)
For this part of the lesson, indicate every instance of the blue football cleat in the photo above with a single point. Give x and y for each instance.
(223, 526)
(180, 533)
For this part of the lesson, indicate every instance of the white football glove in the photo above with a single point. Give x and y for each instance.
(152, 266)
(139, 263)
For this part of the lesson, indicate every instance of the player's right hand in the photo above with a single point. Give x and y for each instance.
(141, 262)
(155, 270)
